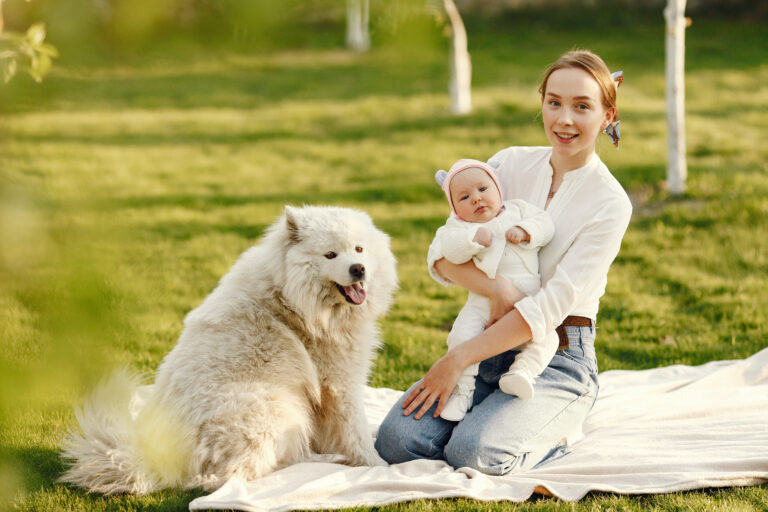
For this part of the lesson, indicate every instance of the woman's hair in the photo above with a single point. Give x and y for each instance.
(592, 64)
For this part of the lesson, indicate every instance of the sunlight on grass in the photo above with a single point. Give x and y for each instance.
(128, 190)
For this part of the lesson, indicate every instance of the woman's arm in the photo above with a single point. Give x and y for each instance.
(509, 332)
(499, 291)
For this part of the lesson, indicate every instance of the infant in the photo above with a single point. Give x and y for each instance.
(502, 238)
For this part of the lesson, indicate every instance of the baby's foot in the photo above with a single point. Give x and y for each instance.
(517, 383)
(459, 402)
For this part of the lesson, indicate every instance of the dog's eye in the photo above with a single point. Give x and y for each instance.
(358, 249)
(330, 255)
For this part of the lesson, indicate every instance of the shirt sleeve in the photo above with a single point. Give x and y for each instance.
(584, 265)
(536, 222)
(443, 245)
(457, 242)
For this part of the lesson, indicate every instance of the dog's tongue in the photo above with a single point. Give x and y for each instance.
(355, 292)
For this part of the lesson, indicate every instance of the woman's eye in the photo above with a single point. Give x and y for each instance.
(583, 107)
(330, 255)
(554, 103)
(358, 249)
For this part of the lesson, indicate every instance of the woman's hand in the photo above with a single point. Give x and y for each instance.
(503, 299)
(436, 385)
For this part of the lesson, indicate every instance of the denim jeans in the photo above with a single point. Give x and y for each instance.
(502, 433)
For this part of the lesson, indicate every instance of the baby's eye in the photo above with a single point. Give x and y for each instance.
(483, 189)
(330, 255)
(463, 198)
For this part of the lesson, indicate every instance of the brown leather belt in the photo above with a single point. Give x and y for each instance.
(570, 321)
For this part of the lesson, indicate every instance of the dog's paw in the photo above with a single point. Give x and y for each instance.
(368, 458)
(373, 459)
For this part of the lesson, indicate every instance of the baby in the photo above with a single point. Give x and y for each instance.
(478, 229)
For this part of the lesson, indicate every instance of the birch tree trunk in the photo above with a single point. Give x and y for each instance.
(357, 26)
(677, 170)
(461, 66)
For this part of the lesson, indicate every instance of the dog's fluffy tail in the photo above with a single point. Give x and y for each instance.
(111, 455)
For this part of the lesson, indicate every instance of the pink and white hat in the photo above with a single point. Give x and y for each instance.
(444, 178)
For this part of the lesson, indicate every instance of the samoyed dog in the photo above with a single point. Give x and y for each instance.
(269, 369)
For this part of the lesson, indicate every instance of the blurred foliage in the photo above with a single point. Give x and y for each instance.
(165, 141)
(26, 52)
(750, 11)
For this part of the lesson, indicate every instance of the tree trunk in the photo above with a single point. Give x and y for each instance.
(357, 26)
(2, 22)
(677, 170)
(461, 66)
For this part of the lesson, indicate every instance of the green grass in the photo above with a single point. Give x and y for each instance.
(128, 187)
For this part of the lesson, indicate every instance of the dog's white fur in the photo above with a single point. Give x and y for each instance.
(269, 368)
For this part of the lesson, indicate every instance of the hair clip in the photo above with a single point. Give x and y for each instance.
(613, 133)
(440, 177)
(618, 77)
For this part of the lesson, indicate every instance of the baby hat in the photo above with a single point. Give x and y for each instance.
(444, 178)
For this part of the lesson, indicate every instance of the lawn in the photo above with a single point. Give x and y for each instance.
(129, 185)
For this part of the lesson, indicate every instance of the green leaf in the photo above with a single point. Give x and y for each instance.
(9, 69)
(42, 65)
(36, 34)
(48, 49)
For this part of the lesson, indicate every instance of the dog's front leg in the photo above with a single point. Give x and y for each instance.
(343, 428)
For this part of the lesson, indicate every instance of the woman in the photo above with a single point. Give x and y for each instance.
(591, 212)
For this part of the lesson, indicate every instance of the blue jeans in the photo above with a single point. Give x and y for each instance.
(502, 433)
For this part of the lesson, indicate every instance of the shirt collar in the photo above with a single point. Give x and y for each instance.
(570, 175)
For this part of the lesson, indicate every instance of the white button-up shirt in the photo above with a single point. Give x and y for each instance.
(591, 212)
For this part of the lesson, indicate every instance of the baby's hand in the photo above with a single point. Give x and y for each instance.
(483, 236)
(516, 235)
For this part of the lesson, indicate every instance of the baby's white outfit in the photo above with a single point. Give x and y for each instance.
(519, 263)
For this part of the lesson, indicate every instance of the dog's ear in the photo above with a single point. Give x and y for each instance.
(292, 216)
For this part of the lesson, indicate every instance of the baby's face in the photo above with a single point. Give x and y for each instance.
(474, 195)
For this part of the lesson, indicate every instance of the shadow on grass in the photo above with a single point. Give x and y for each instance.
(188, 229)
(40, 468)
(413, 193)
(322, 128)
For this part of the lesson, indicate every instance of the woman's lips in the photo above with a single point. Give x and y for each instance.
(566, 138)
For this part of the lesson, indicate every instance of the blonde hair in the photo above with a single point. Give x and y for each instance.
(592, 64)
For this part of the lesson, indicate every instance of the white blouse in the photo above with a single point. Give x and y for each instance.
(591, 212)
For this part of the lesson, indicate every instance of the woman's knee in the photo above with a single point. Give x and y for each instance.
(389, 443)
(403, 439)
(476, 452)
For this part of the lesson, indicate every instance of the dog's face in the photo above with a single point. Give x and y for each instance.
(344, 256)
(345, 267)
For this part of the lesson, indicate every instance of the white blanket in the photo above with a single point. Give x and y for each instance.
(651, 431)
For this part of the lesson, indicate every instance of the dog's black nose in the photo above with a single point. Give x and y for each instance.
(357, 270)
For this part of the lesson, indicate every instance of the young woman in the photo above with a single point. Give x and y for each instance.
(502, 433)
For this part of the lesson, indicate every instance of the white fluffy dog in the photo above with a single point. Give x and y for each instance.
(268, 369)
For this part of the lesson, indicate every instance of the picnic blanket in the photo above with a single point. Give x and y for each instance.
(651, 431)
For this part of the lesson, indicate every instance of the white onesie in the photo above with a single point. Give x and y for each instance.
(519, 263)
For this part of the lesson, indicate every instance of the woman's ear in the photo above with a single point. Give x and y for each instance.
(610, 116)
